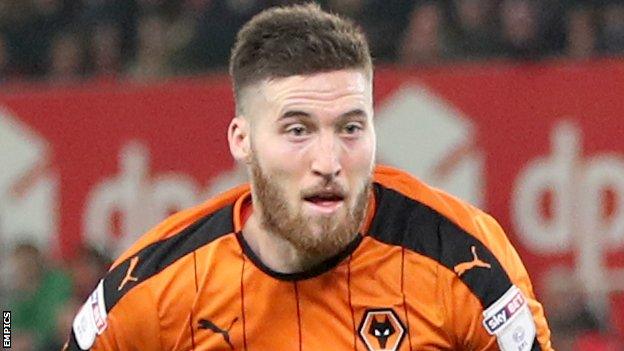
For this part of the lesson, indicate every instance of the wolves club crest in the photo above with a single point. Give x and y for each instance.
(381, 330)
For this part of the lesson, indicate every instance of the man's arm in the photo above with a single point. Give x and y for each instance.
(132, 323)
(515, 321)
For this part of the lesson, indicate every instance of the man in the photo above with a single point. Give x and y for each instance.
(322, 251)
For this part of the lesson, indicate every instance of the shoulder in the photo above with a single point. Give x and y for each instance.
(171, 240)
(134, 287)
(435, 224)
(473, 249)
(213, 215)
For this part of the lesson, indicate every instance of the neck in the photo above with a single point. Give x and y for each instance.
(275, 252)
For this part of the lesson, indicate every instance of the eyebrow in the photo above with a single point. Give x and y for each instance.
(298, 113)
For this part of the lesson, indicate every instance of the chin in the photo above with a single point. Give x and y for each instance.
(325, 225)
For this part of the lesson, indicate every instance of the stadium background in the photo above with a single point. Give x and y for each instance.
(113, 114)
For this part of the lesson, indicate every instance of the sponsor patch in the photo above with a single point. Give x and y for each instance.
(510, 319)
(91, 319)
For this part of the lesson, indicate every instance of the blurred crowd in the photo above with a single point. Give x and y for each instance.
(44, 294)
(68, 40)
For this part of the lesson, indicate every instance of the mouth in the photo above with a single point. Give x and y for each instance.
(325, 201)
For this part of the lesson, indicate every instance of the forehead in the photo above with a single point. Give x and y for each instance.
(330, 87)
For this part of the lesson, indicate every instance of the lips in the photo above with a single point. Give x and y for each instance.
(324, 197)
(325, 201)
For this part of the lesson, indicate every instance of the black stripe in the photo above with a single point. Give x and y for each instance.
(159, 255)
(72, 344)
(536, 345)
(415, 226)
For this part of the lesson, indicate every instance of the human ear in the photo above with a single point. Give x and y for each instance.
(239, 139)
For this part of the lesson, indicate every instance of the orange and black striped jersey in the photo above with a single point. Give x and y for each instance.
(427, 272)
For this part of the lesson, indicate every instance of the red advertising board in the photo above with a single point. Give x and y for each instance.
(540, 146)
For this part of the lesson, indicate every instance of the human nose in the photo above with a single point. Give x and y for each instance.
(326, 160)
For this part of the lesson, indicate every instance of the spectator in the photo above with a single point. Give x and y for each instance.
(216, 31)
(472, 28)
(581, 35)
(422, 41)
(196, 6)
(23, 341)
(520, 32)
(86, 269)
(163, 42)
(347, 8)
(56, 14)
(27, 37)
(152, 53)
(186, 36)
(552, 25)
(66, 58)
(382, 21)
(4, 60)
(569, 315)
(124, 13)
(181, 27)
(38, 292)
(105, 50)
(612, 34)
(63, 323)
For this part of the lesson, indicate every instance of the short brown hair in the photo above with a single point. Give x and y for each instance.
(295, 40)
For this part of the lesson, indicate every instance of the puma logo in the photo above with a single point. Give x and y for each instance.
(129, 277)
(476, 262)
(206, 324)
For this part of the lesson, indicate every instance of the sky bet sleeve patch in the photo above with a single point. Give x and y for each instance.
(91, 319)
(510, 319)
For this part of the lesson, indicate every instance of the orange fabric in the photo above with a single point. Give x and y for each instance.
(481, 225)
(219, 285)
(181, 220)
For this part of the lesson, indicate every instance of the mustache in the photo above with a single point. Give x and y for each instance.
(332, 188)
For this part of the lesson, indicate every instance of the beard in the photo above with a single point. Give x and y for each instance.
(314, 237)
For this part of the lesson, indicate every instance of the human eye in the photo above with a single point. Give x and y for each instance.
(296, 130)
(353, 128)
